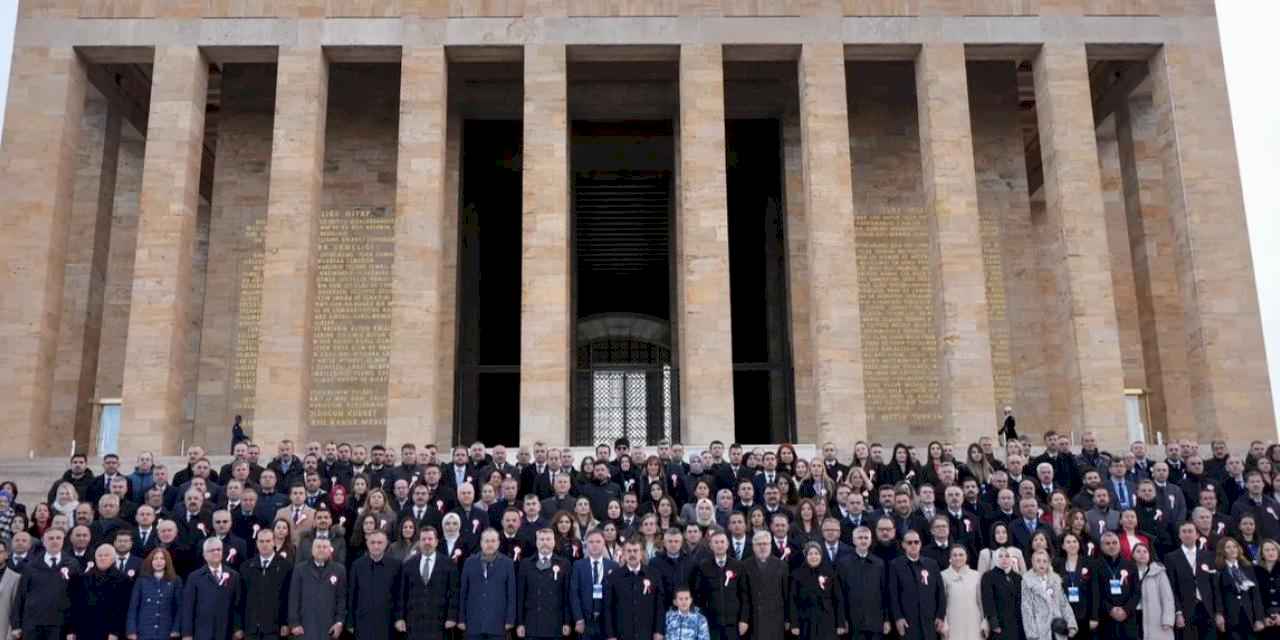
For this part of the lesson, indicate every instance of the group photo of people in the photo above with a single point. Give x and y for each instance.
(952, 541)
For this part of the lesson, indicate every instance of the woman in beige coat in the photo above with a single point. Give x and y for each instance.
(1043, 600)
(964, 601)
(1155, 609)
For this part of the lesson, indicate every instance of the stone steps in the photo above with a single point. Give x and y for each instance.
(34, 476)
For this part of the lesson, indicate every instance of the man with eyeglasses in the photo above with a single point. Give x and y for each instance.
(916, 598)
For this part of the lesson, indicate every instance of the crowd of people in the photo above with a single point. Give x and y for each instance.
(629, 544)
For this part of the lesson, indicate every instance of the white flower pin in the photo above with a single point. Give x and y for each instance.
(555, 572)
(728, 575)
(231, 554)
(647, 584)
(66, 574)
(1124, 575)
(475, 525)
(822, 582)
(131, 573)
(333, 579)
(924, 577)
(1158, 514)
(440, 505)
(457, 553)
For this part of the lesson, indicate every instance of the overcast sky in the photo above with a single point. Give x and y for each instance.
(1248, 42)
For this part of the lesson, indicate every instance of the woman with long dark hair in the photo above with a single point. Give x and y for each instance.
(156, 600)
(1077, 571)
(900, 468)
(1241, 614)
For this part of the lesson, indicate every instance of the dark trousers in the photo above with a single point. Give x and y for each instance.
(1109, 629)
(43, 632)
(725, 632)
(1200, 625)
(865, 635)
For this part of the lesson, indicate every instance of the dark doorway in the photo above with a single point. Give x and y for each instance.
(763, 401)
(624, 374)
(489, 236)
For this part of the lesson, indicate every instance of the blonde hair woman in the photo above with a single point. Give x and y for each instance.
(1043, 601)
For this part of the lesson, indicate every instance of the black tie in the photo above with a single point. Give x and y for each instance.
(595, 572)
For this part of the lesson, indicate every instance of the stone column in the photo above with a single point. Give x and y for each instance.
(1230, 392)
(835, 331)
(155, 354)
(951, 199)
(289, 264)
(1090, 371)
(37, 178)
(417, 282)
(89, 234)
(1160, 312)
(546, 322)
(703, 320)
(797, 234)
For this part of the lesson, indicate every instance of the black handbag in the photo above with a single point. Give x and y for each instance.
(1059, 627)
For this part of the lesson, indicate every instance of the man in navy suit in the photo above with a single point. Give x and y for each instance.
(832, 549)
(211, 598)
(586, 588)
(126, 562)
(1027, 524)
(42, 605)
(487, 597)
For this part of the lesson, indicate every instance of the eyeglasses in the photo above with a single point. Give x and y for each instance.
(911, 542)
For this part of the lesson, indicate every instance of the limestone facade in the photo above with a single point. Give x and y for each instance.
(966, 227)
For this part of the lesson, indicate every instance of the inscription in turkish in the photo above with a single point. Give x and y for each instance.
(899, 339)
(993, 271)
(249, 304)
(351, 325)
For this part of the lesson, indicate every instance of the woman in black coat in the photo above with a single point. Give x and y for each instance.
(1240, 612)
(815, 610)
(1077, 569)
(103, 601)
(1268, 572)
(1001, 589)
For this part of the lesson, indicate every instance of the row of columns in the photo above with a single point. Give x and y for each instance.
(43, 129)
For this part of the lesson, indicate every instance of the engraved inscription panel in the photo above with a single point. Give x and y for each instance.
(899, 347)
(244, 374)
(351, 326)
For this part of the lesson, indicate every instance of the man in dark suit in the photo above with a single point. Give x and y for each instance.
(1027, 524)
(371, 596)
(767, 580)
(542, 592)
(266, 591)
(318, 594)
(536, 473)
(1118, 589)
(145, 536)
(1192, 577)
(634, 604)
(916, 597)
(428, 594)
(42, 605)
(863, 583)
(1123, 490)
(832, 549)
(721, 591)
(487, 595)
(586, 588)
(128, 564)
(460, 471)
(211, 598)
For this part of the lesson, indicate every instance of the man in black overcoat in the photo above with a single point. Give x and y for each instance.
(371, 593)
(211, 602)
(318, 595)
(50, 582)
(863, 581)
(767, 576)
(1118, 592)
(634, 605)
(542, 592)
(266, 590)
(721, 592)
(428, 594)
(916, 598)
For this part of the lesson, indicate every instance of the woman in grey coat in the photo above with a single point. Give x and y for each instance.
(1043, 599)
(1156, 613)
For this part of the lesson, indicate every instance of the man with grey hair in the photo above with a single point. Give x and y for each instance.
(211, 598)
(767, 575)
(318, 595)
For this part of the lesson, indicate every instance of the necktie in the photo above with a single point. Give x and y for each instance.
(120, 564)
(297, 515)
(51, 561)
(1124, 493)
(737, 549)
(426, 574)
(595, 572)
(831, 550)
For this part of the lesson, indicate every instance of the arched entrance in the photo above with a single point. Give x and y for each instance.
(624, 381)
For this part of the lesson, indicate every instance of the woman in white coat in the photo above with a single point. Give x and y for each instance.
(964, 598)
(1043, 600)
(1155, 609)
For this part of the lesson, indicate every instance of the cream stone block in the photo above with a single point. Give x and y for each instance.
(1230, 389)
(702, 250)
(417, 280)
(545, 306)
(951, 201)
(291, 242)
(835, 333)
(155, 356)
(1090, 365)
(37, 177)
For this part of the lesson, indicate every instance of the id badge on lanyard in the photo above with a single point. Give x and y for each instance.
(1117, 587)
(1073, 594)
(597, 592)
